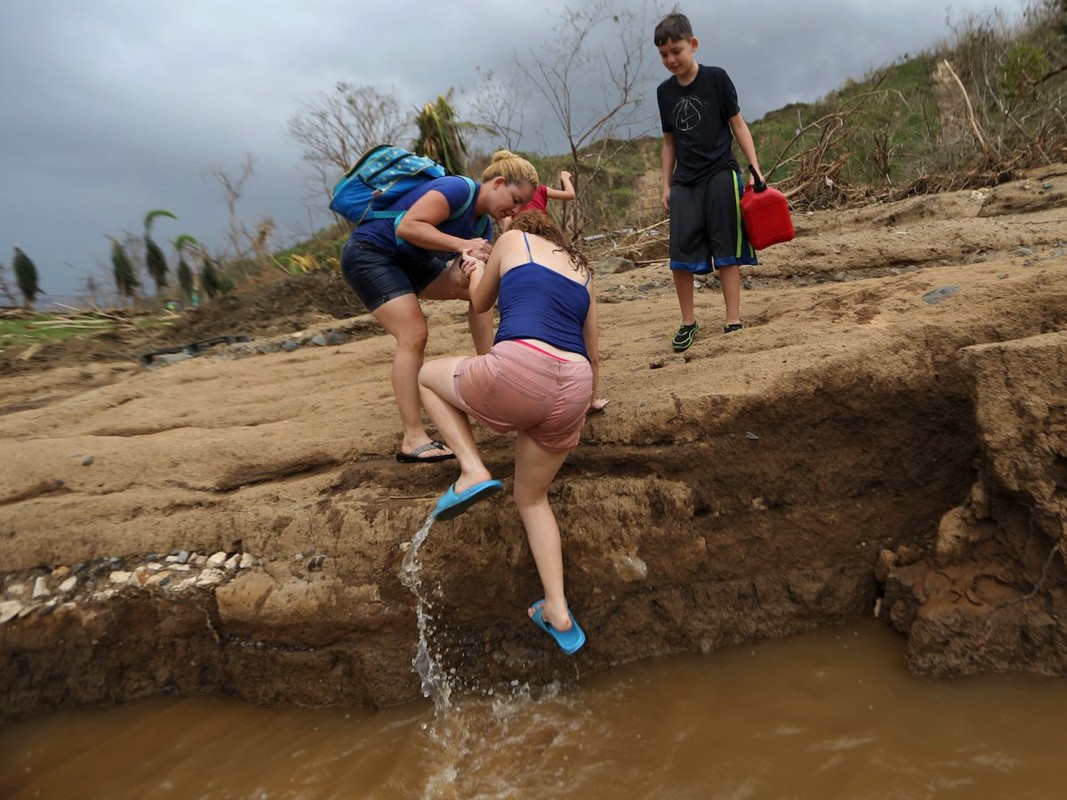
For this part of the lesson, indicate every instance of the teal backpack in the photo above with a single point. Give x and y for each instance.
(384, 174)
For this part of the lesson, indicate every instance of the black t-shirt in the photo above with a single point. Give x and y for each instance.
(698, 115)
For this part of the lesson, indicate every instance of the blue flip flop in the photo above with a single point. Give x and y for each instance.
(569, 641)
(452, 505)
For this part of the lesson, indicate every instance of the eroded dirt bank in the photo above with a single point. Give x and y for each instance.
(889, 433)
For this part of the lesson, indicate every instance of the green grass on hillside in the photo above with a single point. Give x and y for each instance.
(46, 328)
(886, 127)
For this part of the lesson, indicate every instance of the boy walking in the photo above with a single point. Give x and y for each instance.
(702, 183)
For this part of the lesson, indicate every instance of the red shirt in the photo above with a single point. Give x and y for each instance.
(539, 201)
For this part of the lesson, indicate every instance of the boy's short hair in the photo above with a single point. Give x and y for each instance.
(673, 28)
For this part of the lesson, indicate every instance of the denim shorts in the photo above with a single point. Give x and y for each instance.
(378, 277)
(515, 387)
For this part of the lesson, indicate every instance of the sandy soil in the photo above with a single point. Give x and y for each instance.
(887, 436)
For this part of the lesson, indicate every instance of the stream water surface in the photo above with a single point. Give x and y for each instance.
(830, 714)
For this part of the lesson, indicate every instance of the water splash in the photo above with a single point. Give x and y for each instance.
(454, 755)
(435, 682)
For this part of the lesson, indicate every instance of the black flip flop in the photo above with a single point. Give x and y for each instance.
(414, 456)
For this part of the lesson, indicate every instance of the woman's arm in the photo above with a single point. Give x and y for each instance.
(419, 227)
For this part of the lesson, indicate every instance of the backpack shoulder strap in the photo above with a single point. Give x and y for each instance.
(472, 192)
(481, 224)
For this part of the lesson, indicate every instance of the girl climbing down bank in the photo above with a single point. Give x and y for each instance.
(538, 380)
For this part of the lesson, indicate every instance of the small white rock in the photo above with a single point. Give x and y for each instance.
(15, 590)
(232, 562)
(209, 577)
(40, 589)
(217, 560)
(9, 609)
(69, 584)
(247, 560)
(120, 576)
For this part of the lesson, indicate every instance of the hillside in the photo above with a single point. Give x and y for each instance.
(885, 437)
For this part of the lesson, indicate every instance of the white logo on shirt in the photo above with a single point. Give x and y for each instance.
(687, 113)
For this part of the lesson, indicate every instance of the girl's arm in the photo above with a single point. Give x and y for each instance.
(591, 333)
(567, 192)
(485, 278)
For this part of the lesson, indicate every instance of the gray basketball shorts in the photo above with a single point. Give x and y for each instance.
(706, 227)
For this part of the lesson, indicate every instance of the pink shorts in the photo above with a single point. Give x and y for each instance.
(515, 387)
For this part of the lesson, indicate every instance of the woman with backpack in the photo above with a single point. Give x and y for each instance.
(391, 263)
(538, 380)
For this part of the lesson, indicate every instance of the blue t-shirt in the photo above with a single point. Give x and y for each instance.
(699, 117)
(538, 303)
(381, 233)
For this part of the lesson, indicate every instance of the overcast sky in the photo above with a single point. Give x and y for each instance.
(113, 108)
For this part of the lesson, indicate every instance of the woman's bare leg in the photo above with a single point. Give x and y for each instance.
(403, 319)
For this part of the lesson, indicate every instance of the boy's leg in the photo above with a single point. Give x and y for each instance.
(730, 278)
(689, 256)
(683, 286)
(730, 247)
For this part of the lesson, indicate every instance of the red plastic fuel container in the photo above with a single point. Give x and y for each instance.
(766, 214)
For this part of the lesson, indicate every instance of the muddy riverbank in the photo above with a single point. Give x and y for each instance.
(887, 436)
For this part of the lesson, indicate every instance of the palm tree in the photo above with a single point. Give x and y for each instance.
(122, 268)
(214, 281)
(26, 277)
(186, 277)
(154, 259)
(441, 135)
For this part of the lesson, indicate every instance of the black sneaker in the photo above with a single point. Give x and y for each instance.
(733, 326)
(685, 336)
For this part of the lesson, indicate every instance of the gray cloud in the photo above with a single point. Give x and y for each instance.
(116, 107)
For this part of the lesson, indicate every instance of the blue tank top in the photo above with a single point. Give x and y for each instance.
(538, 303)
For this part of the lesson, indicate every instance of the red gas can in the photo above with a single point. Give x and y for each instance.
(766, 214)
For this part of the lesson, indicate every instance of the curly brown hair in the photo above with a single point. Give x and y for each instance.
(540, 224)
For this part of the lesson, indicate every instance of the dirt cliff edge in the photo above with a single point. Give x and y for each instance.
(888, 435)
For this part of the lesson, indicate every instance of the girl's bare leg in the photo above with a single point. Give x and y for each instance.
(534, 470)
(439, 397)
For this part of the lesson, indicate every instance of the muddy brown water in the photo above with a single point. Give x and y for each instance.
(831, 714)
